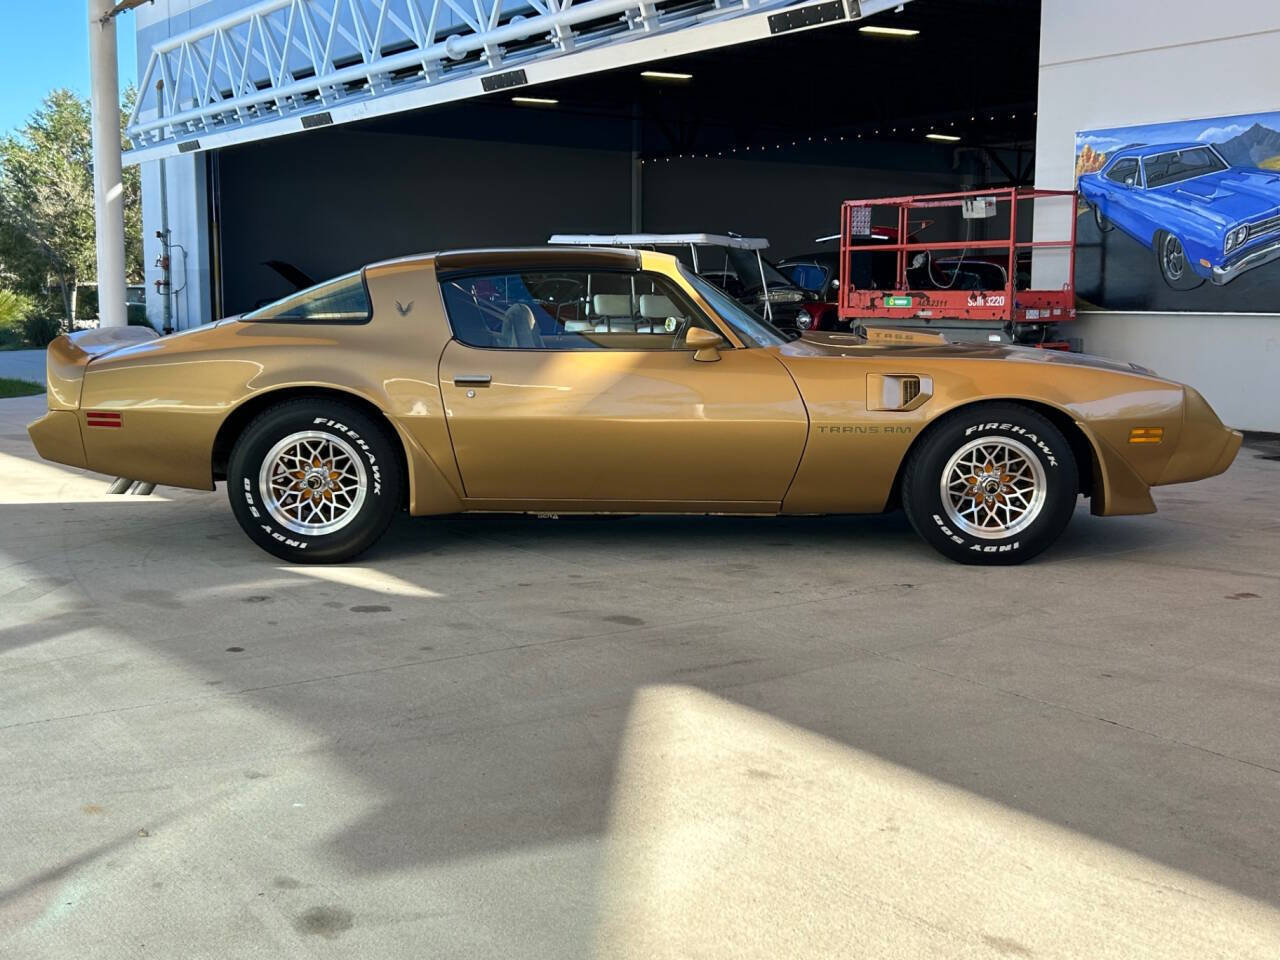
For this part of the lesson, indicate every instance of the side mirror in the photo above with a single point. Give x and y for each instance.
(705, 343)
(1128, 183)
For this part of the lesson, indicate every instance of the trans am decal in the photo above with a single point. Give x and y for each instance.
(1180, 216)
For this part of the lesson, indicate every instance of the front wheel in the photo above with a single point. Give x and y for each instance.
(995, 483)
(1172, 260)
(314, 481)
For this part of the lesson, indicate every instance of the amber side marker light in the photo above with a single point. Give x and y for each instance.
(1146, 434)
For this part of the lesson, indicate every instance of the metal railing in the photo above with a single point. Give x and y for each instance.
(281, 58)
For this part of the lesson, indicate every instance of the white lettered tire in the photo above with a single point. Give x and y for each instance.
(314, 481)
(995, 483)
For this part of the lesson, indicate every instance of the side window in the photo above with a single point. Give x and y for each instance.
(343, 300)
(569, 310)
(1124, 170)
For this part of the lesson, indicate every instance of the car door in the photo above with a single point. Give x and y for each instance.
(1123, 203)
(576, 387)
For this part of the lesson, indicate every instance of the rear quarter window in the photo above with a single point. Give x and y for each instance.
(344, 300)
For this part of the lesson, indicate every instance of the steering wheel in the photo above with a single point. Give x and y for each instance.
(557, 290)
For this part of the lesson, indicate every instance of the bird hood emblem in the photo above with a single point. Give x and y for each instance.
(403, 309)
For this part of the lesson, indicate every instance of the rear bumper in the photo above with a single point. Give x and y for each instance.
(57, 437)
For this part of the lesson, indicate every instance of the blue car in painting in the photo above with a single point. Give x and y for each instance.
(1203, 218)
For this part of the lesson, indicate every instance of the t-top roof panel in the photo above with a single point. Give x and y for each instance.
(660, 240)
(277, 67)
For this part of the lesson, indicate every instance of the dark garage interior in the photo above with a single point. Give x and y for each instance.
(764, 139)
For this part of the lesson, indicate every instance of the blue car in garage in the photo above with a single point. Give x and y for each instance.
(1203, 218)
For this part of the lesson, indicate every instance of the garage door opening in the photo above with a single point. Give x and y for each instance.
(762, 139)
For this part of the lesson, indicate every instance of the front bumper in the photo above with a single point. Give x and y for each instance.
(1205, 447)
(1254, 258)
(57, 437)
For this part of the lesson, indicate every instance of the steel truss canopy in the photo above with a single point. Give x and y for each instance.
(281, 66)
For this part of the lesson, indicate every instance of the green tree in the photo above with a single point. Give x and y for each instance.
(46, 201)
(132, 198)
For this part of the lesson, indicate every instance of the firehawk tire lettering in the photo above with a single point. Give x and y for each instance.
(1020, 431)
(369, 440)
(364, 447)
(945, 444)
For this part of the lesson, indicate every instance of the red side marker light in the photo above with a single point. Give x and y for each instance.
(103, 418)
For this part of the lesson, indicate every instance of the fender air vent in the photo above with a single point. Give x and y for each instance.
(897, 391)
(910, 390)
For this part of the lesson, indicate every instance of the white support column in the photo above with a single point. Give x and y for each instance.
(108, 187)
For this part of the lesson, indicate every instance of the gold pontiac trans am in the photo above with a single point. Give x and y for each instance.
(560, 380)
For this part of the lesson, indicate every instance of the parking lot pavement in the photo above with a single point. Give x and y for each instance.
(23, 365)
(511, 737)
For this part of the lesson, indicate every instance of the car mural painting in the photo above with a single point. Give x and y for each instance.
(1203, 218)
(1183, 215)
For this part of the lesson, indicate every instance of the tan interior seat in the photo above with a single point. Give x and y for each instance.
(612, 313)
(520, 328)
(656, 310)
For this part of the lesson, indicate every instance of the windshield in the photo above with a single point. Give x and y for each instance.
(752, 330)
(1179, 165)
(747, 267)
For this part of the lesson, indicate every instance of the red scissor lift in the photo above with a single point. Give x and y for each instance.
(1028, 316)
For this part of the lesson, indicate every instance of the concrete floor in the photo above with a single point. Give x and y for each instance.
(509, 737)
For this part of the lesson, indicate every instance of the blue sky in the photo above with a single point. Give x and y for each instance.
(1214, 130)
(45, 44)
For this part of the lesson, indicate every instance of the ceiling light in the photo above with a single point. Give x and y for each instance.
(537, 101)
(665, 75)
(890, 31)
(941, 136)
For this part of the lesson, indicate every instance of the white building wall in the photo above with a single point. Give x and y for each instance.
(188, 231)
(1107, 63)
(187, 191)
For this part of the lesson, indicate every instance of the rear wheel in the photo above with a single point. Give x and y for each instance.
(314, 481)
(1100, 220)
(995, 483)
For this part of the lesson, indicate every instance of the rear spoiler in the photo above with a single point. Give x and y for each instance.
(69, 354)
(904, 335)
(94, 343)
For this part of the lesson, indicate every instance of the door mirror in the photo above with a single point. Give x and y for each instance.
(705, 343)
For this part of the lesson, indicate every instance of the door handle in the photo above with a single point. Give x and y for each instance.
(472, 380)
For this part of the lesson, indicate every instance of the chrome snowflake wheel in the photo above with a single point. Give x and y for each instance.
(313, 483)
(993, 488)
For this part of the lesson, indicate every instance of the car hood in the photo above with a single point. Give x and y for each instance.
(837, 345)
(1230, 196)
